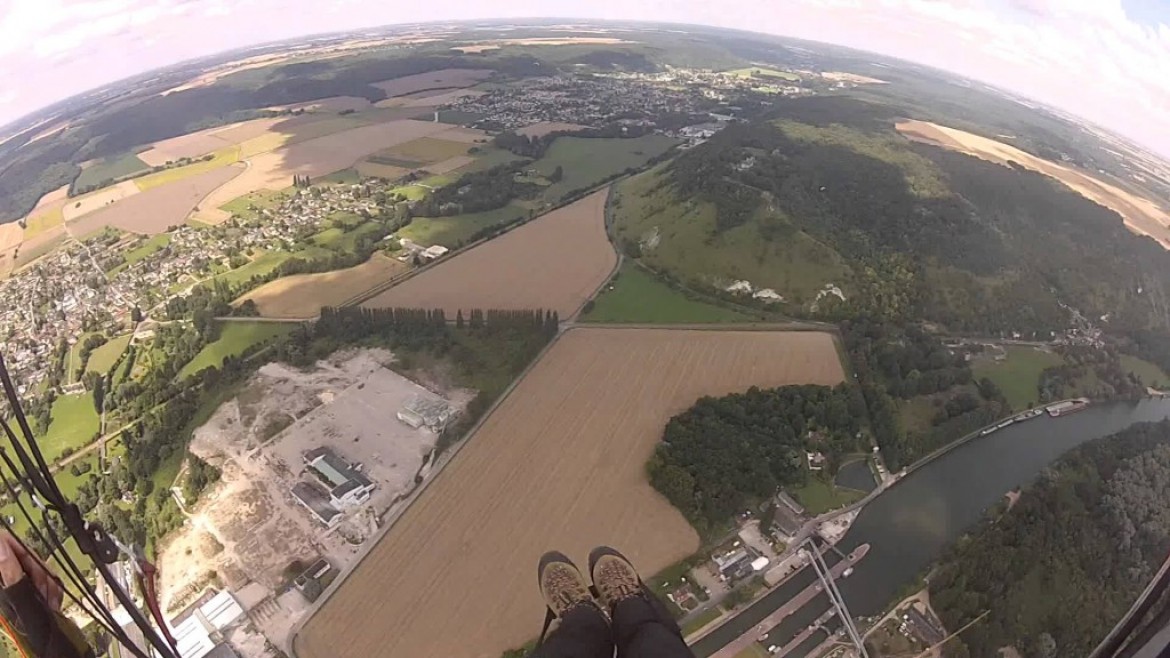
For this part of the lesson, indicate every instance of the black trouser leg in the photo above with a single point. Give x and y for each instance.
(642, 628)
(582, 633)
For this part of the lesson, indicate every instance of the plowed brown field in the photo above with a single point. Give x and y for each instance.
(559, 465)
(159, 208)
(555, 262)
(302, 295)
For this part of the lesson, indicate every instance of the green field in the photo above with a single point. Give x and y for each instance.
(685, 243)
(339, 239)
(489, 157)
(220, 158)
(763, 73)
(1018, 376)
(924, 177)
(586, 162)
(457, 230)
(637, 296)
(917, 414)
(110, 169)
(457, 117)
(261, 266)
(234, 338)
(151, 246)
(819, 496)
(73, 424)
(73, 359)
(260, 199)
(1151, 374)
(343, 177)
(700, 620)
(104, 357)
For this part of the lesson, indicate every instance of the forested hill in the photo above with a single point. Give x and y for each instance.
(827, 191)
(1061, 566)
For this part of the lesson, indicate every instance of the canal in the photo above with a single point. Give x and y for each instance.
(909, 525)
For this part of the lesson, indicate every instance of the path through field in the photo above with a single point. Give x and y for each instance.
(559, 465)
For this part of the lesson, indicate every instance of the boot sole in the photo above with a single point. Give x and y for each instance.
(602, 551)
(547, 559)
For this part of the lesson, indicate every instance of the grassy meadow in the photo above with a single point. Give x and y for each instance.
(234, 338)
(1018, 376)
(636, 296)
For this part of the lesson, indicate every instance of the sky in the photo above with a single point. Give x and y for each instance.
(1107, 61)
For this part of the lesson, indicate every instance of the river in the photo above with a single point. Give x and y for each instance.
(909, 525)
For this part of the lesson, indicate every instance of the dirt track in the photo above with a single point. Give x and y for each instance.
(555, 262)
(560, 464)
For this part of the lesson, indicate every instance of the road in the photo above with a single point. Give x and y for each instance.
(753, 634)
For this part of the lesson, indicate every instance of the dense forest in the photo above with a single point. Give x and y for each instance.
(725, 454)
(979, 247)
(895, 363)
(477, 191)
(1063, 564)
(1090, 371)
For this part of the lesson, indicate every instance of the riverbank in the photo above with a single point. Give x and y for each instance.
(933, 503)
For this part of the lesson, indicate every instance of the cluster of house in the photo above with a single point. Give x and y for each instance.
(592, 101)
(412, 251)
(738, 562)
(49, 301)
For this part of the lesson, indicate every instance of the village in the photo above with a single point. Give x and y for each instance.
(90, 285)
(669, 100)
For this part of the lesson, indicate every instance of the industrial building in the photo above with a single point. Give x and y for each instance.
(199, 629)
(735, 564)
(313, 498)
(420, 411)
(347, 485)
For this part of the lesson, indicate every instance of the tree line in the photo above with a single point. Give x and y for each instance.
(1089, 371)
(476, 192)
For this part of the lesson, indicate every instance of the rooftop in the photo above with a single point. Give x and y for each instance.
(314, 498)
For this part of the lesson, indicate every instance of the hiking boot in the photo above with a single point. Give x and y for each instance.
(561, 584)
(614, 578)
